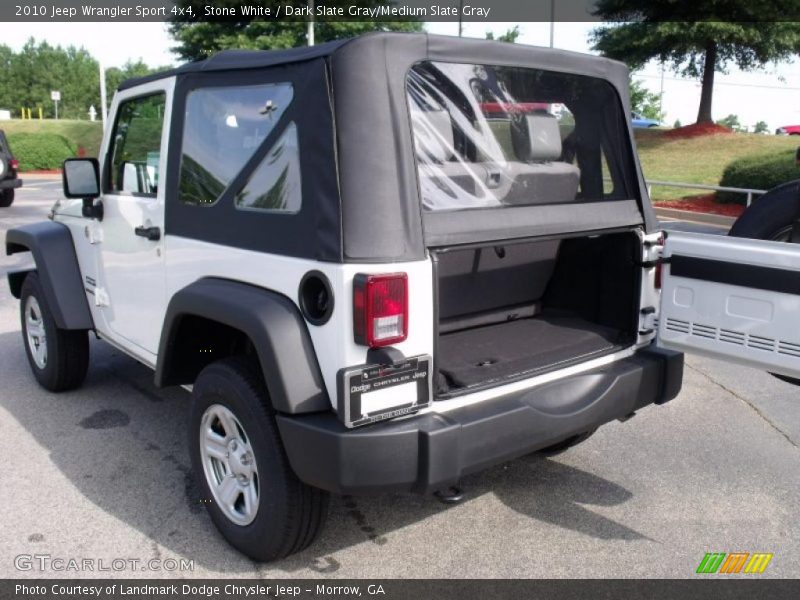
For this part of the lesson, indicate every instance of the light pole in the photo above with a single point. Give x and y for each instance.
(661, 94)
(103, 96)
(460, 22)
(552, 21)
(310, 33)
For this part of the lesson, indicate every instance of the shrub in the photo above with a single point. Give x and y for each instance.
(757, 172)
(40, 150)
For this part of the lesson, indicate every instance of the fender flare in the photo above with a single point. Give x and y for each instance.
(57, 265)
(273, 324)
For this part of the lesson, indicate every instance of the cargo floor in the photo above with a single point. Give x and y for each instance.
(526, 347)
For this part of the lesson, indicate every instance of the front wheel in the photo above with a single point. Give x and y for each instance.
(59, 358)
(6, 198)
(251, 493)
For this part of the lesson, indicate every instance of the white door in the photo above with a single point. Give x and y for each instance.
(130, 288)
(733, 299)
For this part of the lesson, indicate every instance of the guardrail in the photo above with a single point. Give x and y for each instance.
(700, 186)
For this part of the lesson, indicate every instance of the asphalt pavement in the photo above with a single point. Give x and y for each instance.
(102, 473)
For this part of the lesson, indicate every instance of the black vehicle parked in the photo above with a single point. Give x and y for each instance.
(8, 173)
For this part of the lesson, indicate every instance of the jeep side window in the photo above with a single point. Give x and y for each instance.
(224, 127)
(136, 146)
(275, 184)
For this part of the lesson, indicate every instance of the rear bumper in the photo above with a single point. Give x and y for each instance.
(10, 184)
(429, 452)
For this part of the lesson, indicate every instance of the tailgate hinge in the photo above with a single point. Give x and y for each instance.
(649, 264)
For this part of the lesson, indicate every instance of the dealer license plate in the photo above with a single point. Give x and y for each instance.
(373, 393)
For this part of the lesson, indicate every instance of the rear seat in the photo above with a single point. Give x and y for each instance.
(450, 182)
(541, 178)
(439, 166)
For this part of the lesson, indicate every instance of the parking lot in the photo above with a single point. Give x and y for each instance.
(102, 473)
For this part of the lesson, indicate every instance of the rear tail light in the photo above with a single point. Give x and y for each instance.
(380, 309)
(14, 163)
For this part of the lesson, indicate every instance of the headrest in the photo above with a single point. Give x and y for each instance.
(536, 138)
(433, 134)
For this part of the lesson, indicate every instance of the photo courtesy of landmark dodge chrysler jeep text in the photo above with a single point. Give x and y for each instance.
(382, 264)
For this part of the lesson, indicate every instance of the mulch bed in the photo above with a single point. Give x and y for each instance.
(697, 130)
(703, 204)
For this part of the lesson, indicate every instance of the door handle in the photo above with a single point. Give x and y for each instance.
(151, 233)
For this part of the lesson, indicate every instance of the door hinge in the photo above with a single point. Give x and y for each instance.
(93, 233)
(647, 322)
(100, 297)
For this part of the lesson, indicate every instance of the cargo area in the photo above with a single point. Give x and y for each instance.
(512, 311)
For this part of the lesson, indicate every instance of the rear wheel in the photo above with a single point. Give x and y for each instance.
(6, 198)
(59, 358)
(251, 493)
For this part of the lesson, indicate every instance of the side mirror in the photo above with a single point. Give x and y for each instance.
(81, 179)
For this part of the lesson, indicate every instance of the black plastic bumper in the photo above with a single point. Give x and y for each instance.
(10, 184)
(429, 452)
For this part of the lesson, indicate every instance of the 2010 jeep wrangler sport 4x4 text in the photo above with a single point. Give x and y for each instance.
(382, 264)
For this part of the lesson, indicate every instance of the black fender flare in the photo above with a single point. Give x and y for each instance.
(57, 265)
(273, 324)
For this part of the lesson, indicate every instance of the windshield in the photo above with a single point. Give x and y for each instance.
(492, 136)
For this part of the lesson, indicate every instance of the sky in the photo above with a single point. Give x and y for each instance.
(771, 95)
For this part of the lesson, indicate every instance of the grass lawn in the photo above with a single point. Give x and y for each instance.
(700, 159)
(82, 133)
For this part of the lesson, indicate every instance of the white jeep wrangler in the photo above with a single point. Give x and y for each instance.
(382, 264)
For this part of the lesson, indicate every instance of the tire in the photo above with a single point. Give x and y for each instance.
(566, 444)
(231, 412)
(61, 362)
(3, 166)
(771, 218)
(6, 198)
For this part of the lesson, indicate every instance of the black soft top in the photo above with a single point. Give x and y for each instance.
(234, 60)
(374, 191)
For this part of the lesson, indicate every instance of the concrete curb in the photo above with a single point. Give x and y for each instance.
(697, 217)
(40, 177)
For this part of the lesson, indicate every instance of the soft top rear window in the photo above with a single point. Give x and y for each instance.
(491, 136)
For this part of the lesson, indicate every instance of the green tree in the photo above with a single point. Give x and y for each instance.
(645, 102)
(30, 75)
(761, 127)
(731, 122)
(510, 36)
(116, 75)
(6, 91)
(197, 40)
(698, 39)
(677, 124)
(27, 77)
